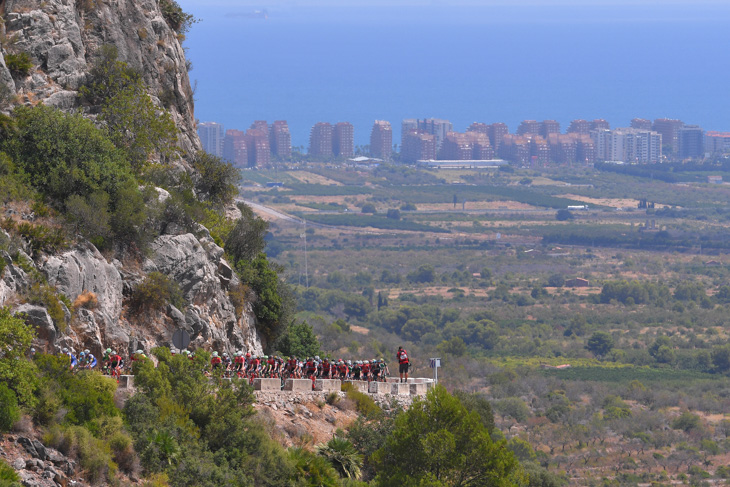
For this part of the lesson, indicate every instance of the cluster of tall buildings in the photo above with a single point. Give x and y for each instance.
(533, 143)
(252, 148)
(331, 141)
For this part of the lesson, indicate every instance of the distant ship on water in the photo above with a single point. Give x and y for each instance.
(256, 14)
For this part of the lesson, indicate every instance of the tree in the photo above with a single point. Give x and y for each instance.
(393, 214)
(215, 179)
(16, 371)
(600, 343)
(414, 329)
(721, 358)
(513, 407)
(368, 208)
(133, 122)
(137, 126)
(247, 239)
(65, 154)
(343, 456)
(299, 340)
(425, 273)
(556, 280)
(564, 215)
(437, 441)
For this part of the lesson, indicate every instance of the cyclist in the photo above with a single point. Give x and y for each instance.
(226, 362)
(311, 367)
(71, 357)
(342, 369)
(89, 361)
(271, 365)
(366, 370)
(239, 363)
(292, 366)
(326, 368)
(138, 356)
(384, 372)
(356, 369)
(115, 364)
(215, 362)
(105, 361)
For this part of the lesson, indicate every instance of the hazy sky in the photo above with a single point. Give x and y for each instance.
(465, 60)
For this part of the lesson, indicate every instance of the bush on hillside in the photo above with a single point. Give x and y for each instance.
(9, 410)
(155, 292)
(19, 64)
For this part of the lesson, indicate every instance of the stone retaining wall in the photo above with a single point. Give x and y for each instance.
(414, 386)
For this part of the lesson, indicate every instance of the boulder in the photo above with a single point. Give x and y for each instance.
(28, 445)
(41, 320)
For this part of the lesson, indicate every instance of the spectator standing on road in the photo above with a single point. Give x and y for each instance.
(404, 363)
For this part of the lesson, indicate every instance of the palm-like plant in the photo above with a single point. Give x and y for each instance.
(343, 456)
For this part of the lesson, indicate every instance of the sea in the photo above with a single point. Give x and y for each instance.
(461, 61)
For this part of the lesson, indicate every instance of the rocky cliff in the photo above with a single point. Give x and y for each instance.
(62, 37)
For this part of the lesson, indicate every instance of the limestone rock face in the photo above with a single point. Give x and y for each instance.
(62, 37)
(203, 275)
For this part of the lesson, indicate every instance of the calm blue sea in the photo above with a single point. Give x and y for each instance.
(463, 63)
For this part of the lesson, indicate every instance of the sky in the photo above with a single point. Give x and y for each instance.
(464, 60)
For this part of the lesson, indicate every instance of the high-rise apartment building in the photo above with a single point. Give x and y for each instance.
(529, 127)
(571, 148)
(579, 126)
(600, 124)
(211, 137)
(479, 127)
(515, 148)
(717, 142)
(641, 124)
(691, 142)
(434, 126)
(548, 127)
(280, 139)
(235, 149)
(468, 146)
(320, 140)
(628, 145)
(418, 145)
(262, 126)
(539, 151)
(257, 145)
(381, 140)
(496, 133)
(669, 128)
(343, 140)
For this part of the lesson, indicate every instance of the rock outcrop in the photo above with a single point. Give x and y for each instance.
(196, 264)
(63, 36)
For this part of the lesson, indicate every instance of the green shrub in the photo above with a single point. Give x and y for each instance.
(333, 398)
(8, 477)
(47, 296)
(19, 64)
(85, 396)
(215, 179)
(16, 370)
(176, 18)
(65, 154)
(42, 238)
(9, 410)
(155, 292)
(363, 402)
(93, 454)
(687, 422)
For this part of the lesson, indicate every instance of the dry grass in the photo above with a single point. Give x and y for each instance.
(86, 300)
